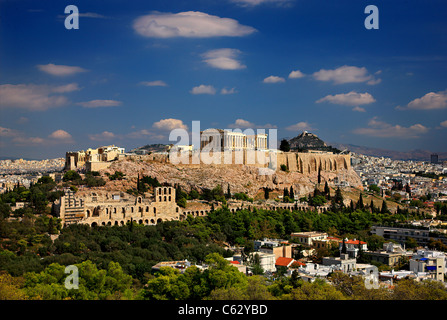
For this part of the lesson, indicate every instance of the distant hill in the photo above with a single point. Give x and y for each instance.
(309, 141)
(158, 147)
(416, 155)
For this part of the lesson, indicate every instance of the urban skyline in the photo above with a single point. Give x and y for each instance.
(132, 72)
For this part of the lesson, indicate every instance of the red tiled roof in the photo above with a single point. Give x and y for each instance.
(298, 264)
(282, 261)
(355, 242)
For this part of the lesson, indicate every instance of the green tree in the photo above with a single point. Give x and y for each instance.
(284, 145)
(71, 175)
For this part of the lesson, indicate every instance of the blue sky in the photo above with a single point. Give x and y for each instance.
(134, 70)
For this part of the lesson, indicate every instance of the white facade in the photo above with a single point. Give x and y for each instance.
(432, 262)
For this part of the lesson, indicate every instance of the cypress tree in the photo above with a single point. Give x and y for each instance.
(286, 193)
(228, 195)
(327, 192)
(384, 207)
(360, 203)
(373, 209)
(291, 193)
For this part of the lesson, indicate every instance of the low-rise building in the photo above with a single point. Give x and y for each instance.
(432, 262)
(353, 247)
(389, 255)
(280, 248)
(343, 263)
(308, 238)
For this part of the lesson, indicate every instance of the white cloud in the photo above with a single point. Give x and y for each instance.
(8, 133)
(60, 70)
(382, 129)
(349, 99)
(105, 135)
(191, 24)
(203, 89)
(91, 15)
(100, 103)
(253, 3)
(60, 135)
(31, 97)
(156, 83)
(244, 124)
(223, 59)
(346, 74)
(228, 91)
(67, 88)
(430, 101)
(169, 124)
(296, 74)
(444, 124)
(28, 141)
(300, 126)
(19, 138)
(159, 130)
(358, 109)
(274, 79)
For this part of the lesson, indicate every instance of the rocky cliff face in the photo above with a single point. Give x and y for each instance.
(241, 178)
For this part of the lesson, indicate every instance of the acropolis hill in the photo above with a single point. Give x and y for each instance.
(297, 169)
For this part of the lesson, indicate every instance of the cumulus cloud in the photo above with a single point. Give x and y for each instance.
(67, 88)
(381, 129)
(169, 124)
(244, 124)
(100, 103)
(159, 130)
(28, 141)
(60, 70)
(203, 89)
(105, 135)
(274, 79)
(191, 24)
(346, 74)
(300, 126)
(430, 101)
(296, 74)
(20, 138)
(33, 97)
(60, 135)
(228, 91)
(349, 99)
(156, 83)
(225, 59)
(6, 132)
(254, 3)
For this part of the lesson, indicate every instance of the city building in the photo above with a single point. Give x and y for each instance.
(353, 247)
(399, 234)
(434, 158)
(431, 262)
(389, 255)
(308, 238)
(343, 263)
(279, 248)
